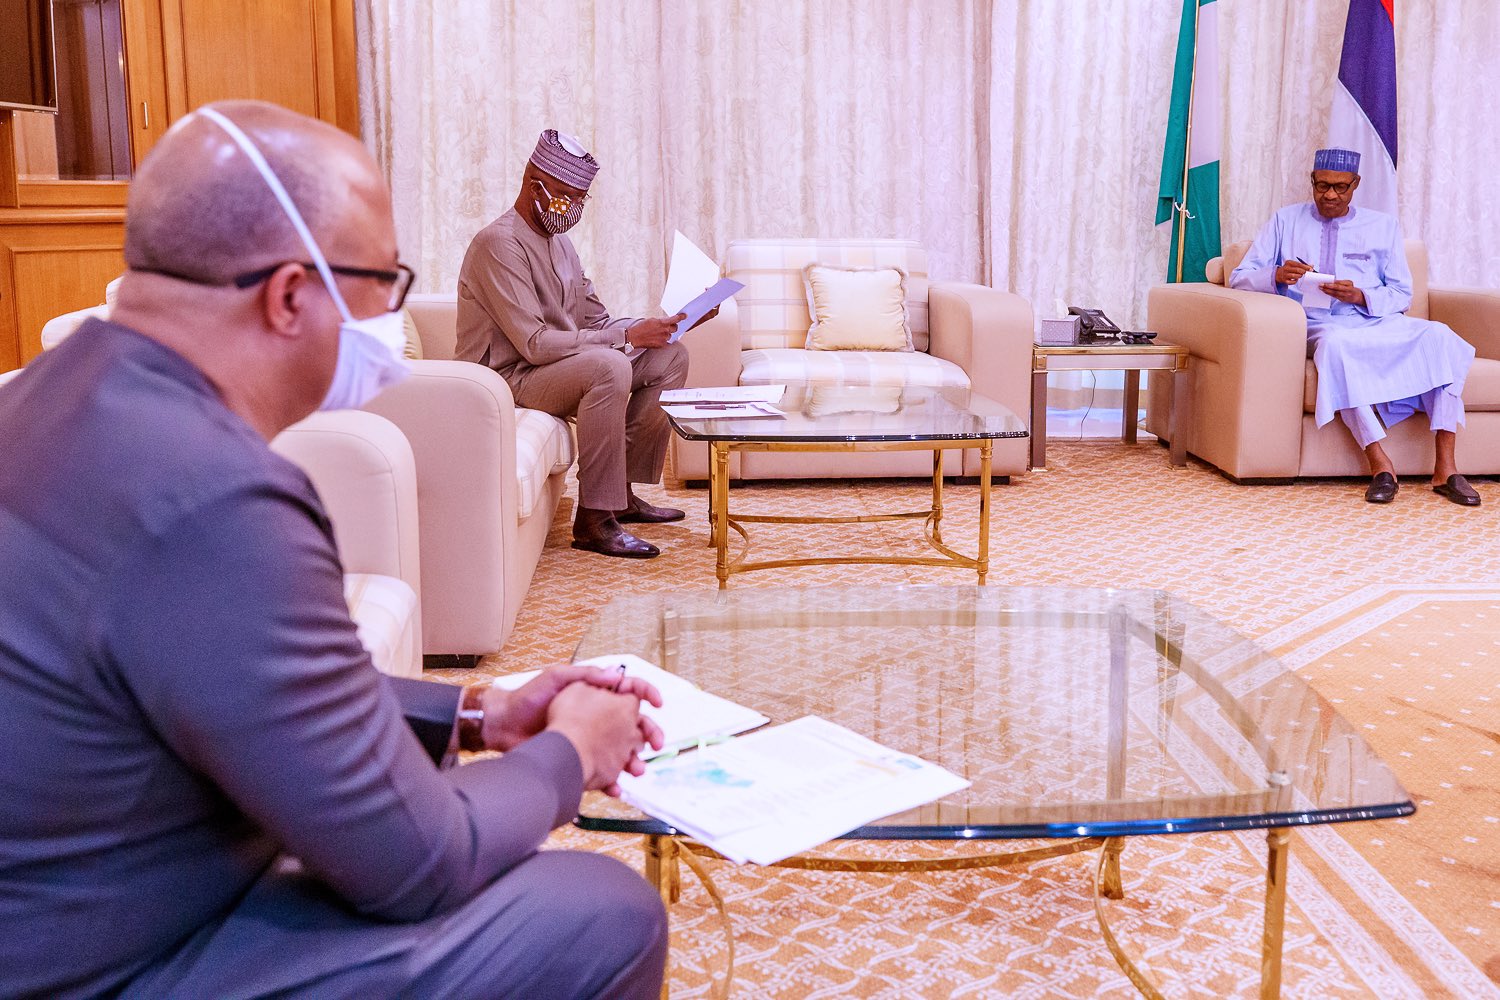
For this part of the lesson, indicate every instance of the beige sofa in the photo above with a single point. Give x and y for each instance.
(965, 335)
(1254, 387)
(489, 479)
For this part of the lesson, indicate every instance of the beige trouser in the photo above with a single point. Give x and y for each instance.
(615, 402)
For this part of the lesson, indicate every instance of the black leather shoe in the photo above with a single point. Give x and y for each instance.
(1458, 490)
(641, 512)
(598, 531)
(1382, 488)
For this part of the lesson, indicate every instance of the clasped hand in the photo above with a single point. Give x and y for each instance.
(596, 708)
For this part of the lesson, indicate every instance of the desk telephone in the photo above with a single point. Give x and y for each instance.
(1093, 325)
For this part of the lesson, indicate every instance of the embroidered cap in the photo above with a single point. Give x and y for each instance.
(563, 156)
(1343, 160)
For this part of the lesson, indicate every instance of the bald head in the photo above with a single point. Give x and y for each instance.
(199, 209)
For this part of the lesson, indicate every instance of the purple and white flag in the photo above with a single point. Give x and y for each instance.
(1364, 103)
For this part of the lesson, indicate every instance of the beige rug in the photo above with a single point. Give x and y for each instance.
(1392, 612)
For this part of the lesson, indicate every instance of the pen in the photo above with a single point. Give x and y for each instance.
(619, 680)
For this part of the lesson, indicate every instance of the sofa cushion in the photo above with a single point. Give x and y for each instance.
(383, 608)
(856, 308)
(771, 366)
(1481, 388)
(773, 305)
(544, 447)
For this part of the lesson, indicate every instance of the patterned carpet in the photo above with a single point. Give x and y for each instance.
(1391, 612)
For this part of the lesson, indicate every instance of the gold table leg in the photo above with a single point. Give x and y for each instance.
(1278, 841)
(937, 494)
(662, 871)
(719, 498)
(1110, 884)
(986, 453)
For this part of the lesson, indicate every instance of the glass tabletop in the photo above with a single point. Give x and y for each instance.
(1073, 712)
(838, 412)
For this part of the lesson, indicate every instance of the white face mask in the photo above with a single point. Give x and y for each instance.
(370, 349)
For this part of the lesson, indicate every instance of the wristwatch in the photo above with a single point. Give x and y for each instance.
(471, 717)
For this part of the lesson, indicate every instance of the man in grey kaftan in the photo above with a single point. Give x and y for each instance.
(1376, 365)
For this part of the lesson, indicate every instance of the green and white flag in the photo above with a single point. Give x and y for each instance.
(1188, 197)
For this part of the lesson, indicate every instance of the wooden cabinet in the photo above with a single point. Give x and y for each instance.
(61, 240)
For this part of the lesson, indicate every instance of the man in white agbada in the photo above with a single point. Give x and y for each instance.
(1376, 365)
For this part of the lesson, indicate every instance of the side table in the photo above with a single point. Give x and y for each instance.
(1132, 359)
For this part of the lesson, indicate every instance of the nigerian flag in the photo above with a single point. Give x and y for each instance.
(1188, 197)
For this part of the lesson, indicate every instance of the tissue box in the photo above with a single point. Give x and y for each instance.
(1058, 332)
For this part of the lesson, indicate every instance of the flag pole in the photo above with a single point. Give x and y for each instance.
(1187, 145)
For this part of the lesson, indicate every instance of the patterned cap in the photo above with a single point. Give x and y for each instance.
(1344, 161)
(563, 156)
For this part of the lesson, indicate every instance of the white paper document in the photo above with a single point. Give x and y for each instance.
(688, 714)
(688, 274)
(784, 790)
(722, 411)
(705, 303)
(1313, 297)
(726, 394)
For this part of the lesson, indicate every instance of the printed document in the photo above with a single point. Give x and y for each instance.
(726, 394)
(784, 790)
(693, 284)
(688, 714)
(722, 411)
(701, 306)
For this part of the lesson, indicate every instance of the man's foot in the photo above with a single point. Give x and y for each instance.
(598, 531)
(641, 512)
(1382, 488)
(1458, 490)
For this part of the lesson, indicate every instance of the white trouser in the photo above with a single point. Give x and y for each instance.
(1444, 410)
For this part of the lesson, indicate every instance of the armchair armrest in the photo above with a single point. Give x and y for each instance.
(362, 467)
(1249, 354)
(1473, 313)
(988, 333)
(460, 418)
(714, 349)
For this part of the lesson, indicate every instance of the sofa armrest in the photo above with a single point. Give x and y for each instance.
(363, 469)
(988, 333)
(1249, 356)
(1473, 313)
(461, 421)
(714, 349)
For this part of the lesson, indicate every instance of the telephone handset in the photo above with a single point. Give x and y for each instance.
(1092, 323)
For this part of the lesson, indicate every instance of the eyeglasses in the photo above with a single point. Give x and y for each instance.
(1323, 187)
(400, 279)
(560, 203)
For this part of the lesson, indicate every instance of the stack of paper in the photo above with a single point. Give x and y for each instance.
(722, 411)
(688, 714)
(726, 394)
(784, 790)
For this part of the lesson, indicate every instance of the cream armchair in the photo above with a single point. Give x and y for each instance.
(965, 335)
(1254, 386)
(489, 480)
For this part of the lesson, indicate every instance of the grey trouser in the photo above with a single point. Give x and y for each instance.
(560, 924)
(622, 431)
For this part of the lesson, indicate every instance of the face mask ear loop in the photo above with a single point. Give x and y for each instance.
(274, 183)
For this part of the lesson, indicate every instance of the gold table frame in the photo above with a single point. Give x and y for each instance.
(665, 853)
(1132, 359)
(721, 520)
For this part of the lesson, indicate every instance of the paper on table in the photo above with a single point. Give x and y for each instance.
(1313, 297)
(785, 790)
(726, 394)
(688, 714)
(703, 304)
(722, 411)
(689, 273)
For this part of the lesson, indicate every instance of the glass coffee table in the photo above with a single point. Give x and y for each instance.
(836, 417)
(1082, 717)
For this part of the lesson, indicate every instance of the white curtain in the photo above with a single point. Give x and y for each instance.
(1019, 141)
